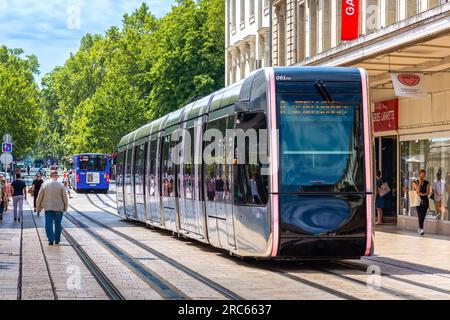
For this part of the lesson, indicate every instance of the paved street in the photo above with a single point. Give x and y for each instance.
(135, 262)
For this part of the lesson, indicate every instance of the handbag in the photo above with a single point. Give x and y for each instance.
(31, 190)
(383, 189)
(415, 199)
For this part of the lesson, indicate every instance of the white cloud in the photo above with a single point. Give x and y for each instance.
(50, 29)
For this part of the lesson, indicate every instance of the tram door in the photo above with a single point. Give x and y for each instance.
(169, 184)
(229, 183)
(219, 202)
(188, 218)
(154, 211)
(128, 189)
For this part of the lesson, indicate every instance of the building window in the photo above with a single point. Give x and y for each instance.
(233, 15)
(326, 25)
(252, 9)
(391, 12)
(338, 22)
(313, 27)
(242, 14)
(412, 8)
(433, 3)
(301, 32)
(432, 155)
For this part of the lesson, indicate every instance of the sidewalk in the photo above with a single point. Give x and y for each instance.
(29, 278)
(422, 255)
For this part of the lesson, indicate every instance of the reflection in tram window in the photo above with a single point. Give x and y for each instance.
(251, 186)
(211, 188)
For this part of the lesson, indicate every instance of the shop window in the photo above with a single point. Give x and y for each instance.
(432, 155)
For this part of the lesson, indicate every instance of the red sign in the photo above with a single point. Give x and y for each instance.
(350, 20)
(409, 79)
(385, 116)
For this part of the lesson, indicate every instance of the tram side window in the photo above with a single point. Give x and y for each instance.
(128, 168)
(216, 178)
(120, 166)
(251, 181)
(189, 173)
(168, 172)
(152, 168)
(139, 167)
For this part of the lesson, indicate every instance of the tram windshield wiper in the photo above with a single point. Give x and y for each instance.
(322, 88)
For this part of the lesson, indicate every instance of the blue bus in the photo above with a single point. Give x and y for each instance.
(91, 172)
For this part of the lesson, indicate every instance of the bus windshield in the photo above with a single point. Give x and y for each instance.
(319, 143)
(93, 162)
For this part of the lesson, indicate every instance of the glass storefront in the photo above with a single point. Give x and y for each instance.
(432, 155)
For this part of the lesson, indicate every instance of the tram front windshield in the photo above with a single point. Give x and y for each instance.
(93, 163)
(320, 139)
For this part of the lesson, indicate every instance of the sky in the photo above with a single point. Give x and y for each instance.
(52, 29)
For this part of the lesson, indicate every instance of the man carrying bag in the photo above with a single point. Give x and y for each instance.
(54, 200)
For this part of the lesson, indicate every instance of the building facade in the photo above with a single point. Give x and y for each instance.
(411, 36)
(247, 37)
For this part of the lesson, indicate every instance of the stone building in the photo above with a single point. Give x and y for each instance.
(247, 37)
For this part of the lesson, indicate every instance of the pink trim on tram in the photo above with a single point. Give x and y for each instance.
(274, 165)
(367, 159)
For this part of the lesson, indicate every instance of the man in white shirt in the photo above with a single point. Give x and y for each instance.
(438, 194)
(53, 198)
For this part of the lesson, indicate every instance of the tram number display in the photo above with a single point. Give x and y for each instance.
(312, 108)
(93, 178)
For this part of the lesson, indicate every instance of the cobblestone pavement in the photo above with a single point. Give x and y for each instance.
(404, 266)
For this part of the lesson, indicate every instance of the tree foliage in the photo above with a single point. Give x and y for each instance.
(131, 75)
(19, 99)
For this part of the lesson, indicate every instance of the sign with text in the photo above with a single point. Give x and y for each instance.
(385, 116)
(350, 20)
(6, 147)
(412, 85)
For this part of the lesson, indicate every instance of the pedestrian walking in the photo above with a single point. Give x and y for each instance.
(28, 170)
(422, 187)
(54, 200)
(2, 197)
(19, 193)
(379, 202)
(438, 195)
(35, 188)
(66, 186)
(8, 194)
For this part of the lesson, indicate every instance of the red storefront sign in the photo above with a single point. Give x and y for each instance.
(385, 116)
(350, 21)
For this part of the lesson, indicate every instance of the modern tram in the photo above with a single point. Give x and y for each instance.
(309, 194)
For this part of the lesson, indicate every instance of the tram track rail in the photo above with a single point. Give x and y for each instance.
(47, 265)
(112, 292)
(227, 293)
(388, 291)
(154, 281)
(393, 277)
(371, 259)
(285, 274)
(20, 278)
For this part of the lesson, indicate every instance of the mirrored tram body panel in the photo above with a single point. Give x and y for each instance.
(308, 195)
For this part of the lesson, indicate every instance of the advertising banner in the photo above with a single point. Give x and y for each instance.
(412, 85)
(349, 25)
(385, 116)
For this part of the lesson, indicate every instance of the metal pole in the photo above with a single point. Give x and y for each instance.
(271, 32)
